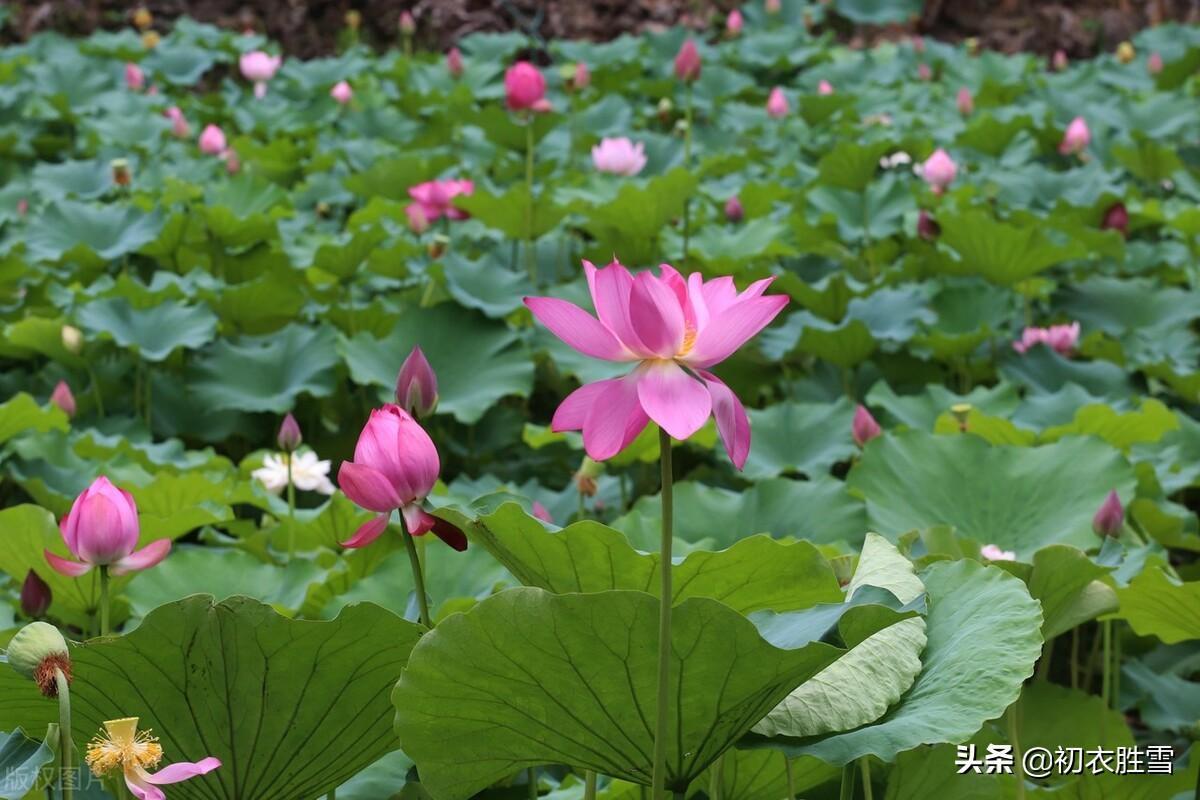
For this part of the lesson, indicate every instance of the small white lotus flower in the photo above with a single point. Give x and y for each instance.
(309, 473)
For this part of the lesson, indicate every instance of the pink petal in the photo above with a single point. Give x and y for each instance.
(64, 566)
(577, 328)
(421, 522)
(572, 412)
(416, 520)
(368, 487)
(182, 771)
(611, 288)
(656, 315)
(729, 330)
(679, 403)
(145, 558)
(718, 294)
(102, 537)
(732, 422)
(142, 790)
(615, 419)
(368, 532)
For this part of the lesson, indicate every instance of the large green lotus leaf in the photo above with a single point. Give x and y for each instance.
(267, 373)
(753, 574)
(1020, 498)
(878, 12)
(174, 504)
(1147, 424)
(1051, 715)
(392, 178)
(85, 179)
(922, 411)
(851, 165)
(628, 226)
(757, 774)
(875, 213)
(984, 637)
(1176, 458)
(514, 213)
(101, 233)
(470, 379)
(722, 516)
(21, 762)
(1120, 307)
(1070, 587)
(179, 63)
(860, 686)
(528, 678)
(1165, 701)
(487, 284)
(1155, 605)
(799, 437)
(1002, 253)
(1046, 372)
(22, 413)
(154, 332)
(291, 708)
(724, 251)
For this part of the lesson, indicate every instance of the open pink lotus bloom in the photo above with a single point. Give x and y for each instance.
(674, 329)
(1076, 138)
(434, 199)
(135, 79)
(341, 93)
(993, 553)
(123, 747)
(619, 156)
(101, 530)
(939, 170)
(525, 88)
(824, 87)
(1060, 338)
(395, 466)
(259, 67)
(777, 103)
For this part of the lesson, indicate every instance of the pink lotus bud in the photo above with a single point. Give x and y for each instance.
(212, 140)
(1155, 63)
(924, 73)
(864, 428)
(772, 6)
(408, 25)
(416, 385)
(1116, 218)
(1110, 517)
(179, 125)
(927, 227)
(454, 62)
(22, 207)
(777, 103)
(1059, 62)
(101, 529)
(289, 436)
(824, 87)
(966, 104)
(993, 553)
(939, 170)
(62, 397)
(619, 156)
(734, 23)
(687, 62)
(341, 92)
(135, 79)
(35, 596)
(524, 86)
(733, 209)
(541, 513)
(232, 163)
(582, 76)
(1076, 138)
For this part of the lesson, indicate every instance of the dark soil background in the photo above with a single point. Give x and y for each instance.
(309, 27)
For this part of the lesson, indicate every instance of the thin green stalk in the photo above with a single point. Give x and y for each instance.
(418, 574)
(1106, 663)
(1116, 671)
(96, 391)
(791, 782)
(687, 164)
(149, 401)
(716, 786)
(678, 795)
(1075, 657)
(1018, 758)
(533, 787)
(848, 776)
(664, 616)
(65, 755)
(1091, 659)
(1043, 670)
(332, 794)
(864, 765)
(530, 260)
(291, 492)
(104, 610)
(589, 785)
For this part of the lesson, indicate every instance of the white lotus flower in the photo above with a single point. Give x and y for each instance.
(309, 473)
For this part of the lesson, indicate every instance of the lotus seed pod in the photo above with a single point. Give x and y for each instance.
(36, 652)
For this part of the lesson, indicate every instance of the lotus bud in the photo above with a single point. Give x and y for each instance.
(150, 39)
(966, 104)
(924, 73)
(777, 103)
(864, 428)
(212, 140)
(62, 397)
(35, 596)
(939, 171)
(120, 172)
(585, 477)
(824, 88)
(581, 77)
(918, 44)
(416, 385)
(408, 25)
(72, 339)
(232, 163)
(664, 110)
(541, 513)
(37, 652)
(1125, 52)
(1059, 61)
(454, 62)
(733, 209)
(734, 23)
(1076, 138)
(961, 413)
(927, 227)
(142, 18)
(22, 207)
(353, 19)
(135, 79)
(341, 93)
(524, 87)
(687, 62)
(1116, 218)
(289, 436)
(772, 6)
(993, 553)
(1154, 64)
(1110, 517)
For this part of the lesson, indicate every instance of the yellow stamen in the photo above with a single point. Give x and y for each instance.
(124, 747)
(689, 340)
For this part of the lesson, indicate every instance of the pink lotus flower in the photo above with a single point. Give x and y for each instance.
(777, 103)
(62, 397)
(179, 124)
(772, 6)
(734, 22)
(212, 140)
(454, 62)
(122, 747)
(259, 67)
(289, 436)
(408, 25)
(927, 227)
(673, 329)
(918, 44)
(135, 79)
(966, 103)
(1076, 138)
(416, 385)
(395, 466)
(1155, 63)
(418, 223)
(1116, 218)
(1060, 338)
(939, 170)
(733, 209)
(993, 553)
(525, 88)
(687, 62)
(341, 92)
(101, 530)
(581, 77)
(232, 163)
(924, 73)
(541, 513)
(824, 88)
(864, 428)
(1110, 517)
(434, 199)
(619, 156)
(1059, 62)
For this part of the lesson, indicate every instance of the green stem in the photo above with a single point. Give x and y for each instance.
(1075, 657)
(847, 792)
(291, 492)
(1043, 670)
(664, 616)
(65, 746)
(104, 610)
(1116, 670)
(1106, 663)
(530, 260)
(533, 787)
(1093, 654)
(589, 785)
(864, 765)
(716, 787)
(96, 391)
(149, 402)
(791, 782)
(332, 794)
(687, 164)
(418, 574)
(1018, 758)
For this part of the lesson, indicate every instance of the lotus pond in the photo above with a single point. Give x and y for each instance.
(348, 418)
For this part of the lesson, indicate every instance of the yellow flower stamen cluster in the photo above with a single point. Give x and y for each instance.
(106, 753)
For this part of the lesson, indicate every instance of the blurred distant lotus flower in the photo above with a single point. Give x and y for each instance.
(1125, 52)
(687, 62)
(966, 104)
(927, 227)
(733, 209)
(416, 385)
(1076, 138)
(993, 553)
(395, 467)
(582, 76)
(435, 199)
(408, 25)
(525, 88)
(62, 397)
(1116, 218)
(35, 596)
(289, 436)
(212, 140)
(1060, 338)
(309, 472)
(150, 39)
(824, 87)
(101, 530)
(353, 19)
(342, 93)
(232, 162)
(179, 124)
(619, 156)
(924, 73)
(135, 79)
(939, 171)
(1110, 517)
(22, 207)
(541, 513)
(673, 329)
(122, 747)
(72, 339)
(1155, 63)
(863, 428)
(259, 67)
(777, 103)
(918, 44)
(1059, 61)
(734, 23)
(454, 62)
(772, 6)
(418, 223)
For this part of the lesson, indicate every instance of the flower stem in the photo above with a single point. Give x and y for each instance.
(104, 610)
(687, 164)
(847, 792)
(864, 766)
(716, 789)
(418, 574)
(1106, 663)
(530, 260)
(533, 787)
(65, 746)
(96, 391)
(291, 492)
(1075, 657)
(791, 782)
(589, 785)
(1018, 756)
(664, 616)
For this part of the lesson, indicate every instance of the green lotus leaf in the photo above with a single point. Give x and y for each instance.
(1165, 701)
(514, 213)
(1156, 605)
(1070, 587)
(998, 251)
(96, 233)
(1147, 424)
(22, 413)
(179, 63)
(922, 411)
(874, 213)
(755, 774)
(629, 224)
(155, 332)
(486, 284)
(84, 179)
(877, 12)
(21, 762)
(1045, 371)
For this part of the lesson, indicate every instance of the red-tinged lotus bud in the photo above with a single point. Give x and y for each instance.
(541, 513)
(39, 652)
(408, 25)
(864, 428)
(581, 76)
(289, 436)
(924, 73)
(454, 62)
(1116, 218)
(773, 6)
(35, 596)
(966, 103)
(524, 86)
(733, 209)
(927, 227)
(416, 385)
(1110, 517)
(62, 397)
(687, 62)
(1154, 63)
(734, 23)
